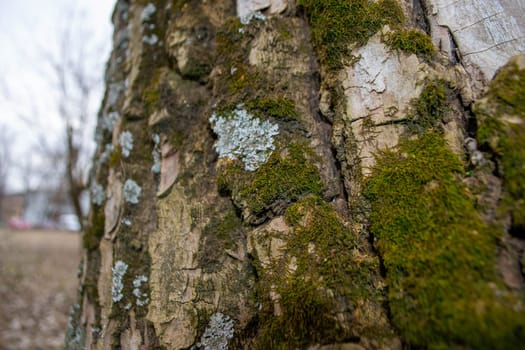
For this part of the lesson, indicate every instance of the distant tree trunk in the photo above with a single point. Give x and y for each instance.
(75, 182)
(335, 174)
(74, 83)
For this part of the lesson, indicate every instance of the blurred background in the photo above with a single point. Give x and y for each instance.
(52, 66)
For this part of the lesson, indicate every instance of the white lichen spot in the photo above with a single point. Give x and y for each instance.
(155, 168)
(114, 91)
(126, 143)
(217, 333)
(142, 298)
(132, 191)
(109, 120)
(233, 70)
(75, 335)
(104, 156)
(244, 137)
(246, 19)
(98, 195)
(119, 270)
(127, 307)
(147, 12)
(156, 139)
(150, 39)
(126, 221)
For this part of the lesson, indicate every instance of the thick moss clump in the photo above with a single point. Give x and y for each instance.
(339, 24)
(411, 41)
(429, 109)
(502, 128)
(322, 251)
(283, 179)
(281, 108)
(305, 318)
(438, 254)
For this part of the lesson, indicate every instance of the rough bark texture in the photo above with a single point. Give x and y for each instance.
(336, 174)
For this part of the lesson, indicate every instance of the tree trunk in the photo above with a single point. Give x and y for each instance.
(75, 184)
(335, 174)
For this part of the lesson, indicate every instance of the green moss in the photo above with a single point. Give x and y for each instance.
(239, 81)
(280, 108)
(220, 234)
(326, 270)
(94, 232)
(339, 24)
(283, 28)
(282, 179)
(229, 36)
(305, 319)
(115, 157)
(429, 109)
(151, 97)
(315, 222)
(438, 254)
(151, 94)
(507, 90)
(242, 79)
(411, 41)
(507, 138)
(198, 71)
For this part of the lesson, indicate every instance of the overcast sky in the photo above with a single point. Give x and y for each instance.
(28, 30)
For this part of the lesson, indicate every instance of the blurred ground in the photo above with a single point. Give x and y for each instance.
(37, 286)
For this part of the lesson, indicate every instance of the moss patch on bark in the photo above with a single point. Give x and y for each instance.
(501, 118)
(438, 254)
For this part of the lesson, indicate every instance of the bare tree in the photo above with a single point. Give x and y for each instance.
(74, 75)
(70, 67)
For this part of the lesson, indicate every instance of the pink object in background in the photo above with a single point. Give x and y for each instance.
(16, 223)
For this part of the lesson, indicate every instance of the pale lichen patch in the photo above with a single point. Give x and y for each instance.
(244, 137)
(132, 191)
(119, 270)
(126, 143)
(218, 332)
(97, 194)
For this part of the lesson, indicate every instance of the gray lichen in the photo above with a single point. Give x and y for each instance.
(132, 191)
(142, 298)
(109, 120)
(217, 333)
(150, 39)
(104, 156)
(126, 143)
(97, 194)
(147, 12)
(114, 91)
(119, 270)
(244, 137)
(155, 168)
(75, 334)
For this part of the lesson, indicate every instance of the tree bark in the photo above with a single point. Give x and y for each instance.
(337, 174)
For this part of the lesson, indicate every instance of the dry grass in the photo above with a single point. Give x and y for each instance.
(37, 285)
